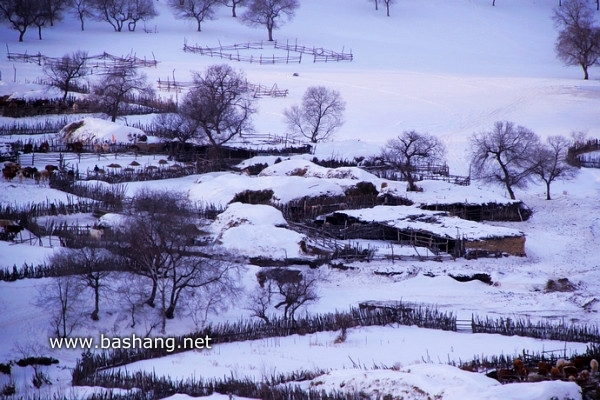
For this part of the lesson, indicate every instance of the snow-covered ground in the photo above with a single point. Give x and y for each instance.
(447, 68)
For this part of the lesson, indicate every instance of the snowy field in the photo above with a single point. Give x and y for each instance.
(449, 68)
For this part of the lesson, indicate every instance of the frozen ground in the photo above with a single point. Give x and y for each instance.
(448, 68)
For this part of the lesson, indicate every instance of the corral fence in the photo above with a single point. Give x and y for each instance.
(422, 316)
(94, 368)
(294, 52)
(131, 105)
(426, 172)
(545, 330)
(49, 126)
(578, 157)
(97, 62)
(257, 90)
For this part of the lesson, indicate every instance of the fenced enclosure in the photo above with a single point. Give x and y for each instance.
(131, 105)
(579, 154)
(420, 173)
(545, 330)
(48, 126)
(293, 52)
(422, 316)
(100, 62)
(257, 90)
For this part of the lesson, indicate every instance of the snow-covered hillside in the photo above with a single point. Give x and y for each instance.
(449, 68)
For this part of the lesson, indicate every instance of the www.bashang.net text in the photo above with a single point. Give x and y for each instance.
(131, 342)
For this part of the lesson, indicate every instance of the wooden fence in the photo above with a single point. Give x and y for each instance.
(318, 54)
(258, 90)
(576, 154)
(36, 128)
(101, 61)
(252, 59)
(437, 173)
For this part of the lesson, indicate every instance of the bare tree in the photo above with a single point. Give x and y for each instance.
(54, 9)
(190, 270)
(412, 150)
(319, 116)
(388, 3)
(115, 12)
(173, 126)
(19, 14)
(61, 299)
(90, 265)
(145, 245)
(32, 351)
(40, 18)
(550, 162)
(67, 73)
(131, 298)
(579, 46)
(199, 10)
(295, 295)
(209, 299)
(160, 246)
(260, 301)
(270, 13)
(573, 13)
(504, 155)
(283, 289)
(220, 104)
(140, 10)
(234, 4)
(578, 41)
(119, 83)
(82, 9)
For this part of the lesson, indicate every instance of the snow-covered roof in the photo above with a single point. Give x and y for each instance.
(439, 223)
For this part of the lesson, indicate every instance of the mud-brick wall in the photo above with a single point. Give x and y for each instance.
(510, 245)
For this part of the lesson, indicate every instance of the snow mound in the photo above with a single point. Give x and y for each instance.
(426, 381)
(256, 230)
(111, 220)
(93, 130)
(305, 168)
(221, 188)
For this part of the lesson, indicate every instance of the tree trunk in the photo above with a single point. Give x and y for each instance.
(233, 14)
(585, 72)
(270, 30)
(152, 297)
(21, 34)
(511, 193)
(170, 312)
(548, 191)
(199, 25)
(40, 32)
(82, 24)
(95, 316)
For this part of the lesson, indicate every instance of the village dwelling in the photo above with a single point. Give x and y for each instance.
(9, 229)
(435, 230)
